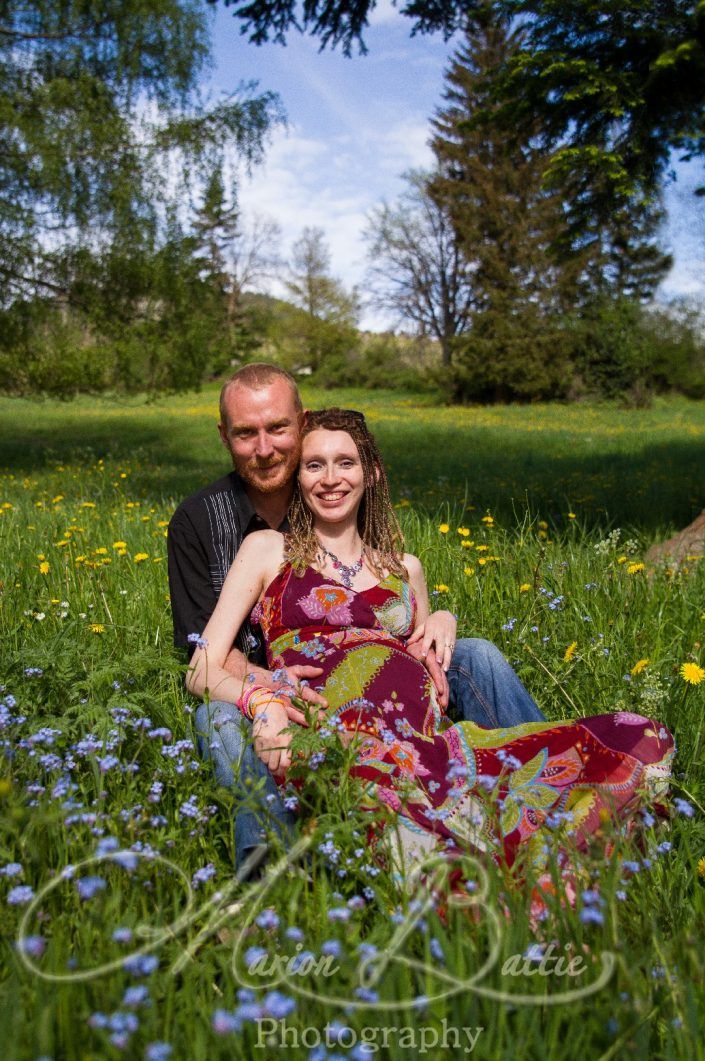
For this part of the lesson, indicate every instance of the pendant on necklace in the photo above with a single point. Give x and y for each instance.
(347, 572)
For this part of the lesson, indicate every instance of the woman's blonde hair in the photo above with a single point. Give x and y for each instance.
(382, 539)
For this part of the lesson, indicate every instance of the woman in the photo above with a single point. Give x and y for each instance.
(340, 593)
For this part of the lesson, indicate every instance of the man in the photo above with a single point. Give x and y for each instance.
(260, 420)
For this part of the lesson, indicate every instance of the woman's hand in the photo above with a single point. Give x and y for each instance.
(298, 676)
(437, 633)
(271, 743)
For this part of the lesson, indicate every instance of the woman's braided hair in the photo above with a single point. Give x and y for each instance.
(382, 539)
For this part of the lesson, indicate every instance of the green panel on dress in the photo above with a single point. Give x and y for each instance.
(354, 673)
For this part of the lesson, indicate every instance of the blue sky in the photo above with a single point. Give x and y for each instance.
(355, 125)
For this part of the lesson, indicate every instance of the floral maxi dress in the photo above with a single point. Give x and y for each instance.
(493, 790)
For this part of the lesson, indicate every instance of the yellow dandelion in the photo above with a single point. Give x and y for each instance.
(44, 568)
(633, 568)
(481, 548)
(443, 528)
(571, 515)
(466, 543)
(441, 588)
(100, 551)
(165, 522)
(97, 628)
(543, 525)
(464, 532)
(119, 545)
(55, 500)
(469, 570)
(570, 652)
(489, 520)
(62, 543)
(80, 560)
(525, 587)
(639, 666)
(701, 867)
(122, 552)
(482, 560)
(41, 556)
(139, 557)
(88, 504)
(692, 673)
(621, 559)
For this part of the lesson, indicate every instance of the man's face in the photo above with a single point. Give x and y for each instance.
(261, 433)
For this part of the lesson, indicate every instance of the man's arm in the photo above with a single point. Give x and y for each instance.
(192, 596)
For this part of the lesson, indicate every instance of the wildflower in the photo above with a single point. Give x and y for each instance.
(524, 587)
(141, 964)
(638, 667)
(633, 568)
(196, 639)
(463, 532)
(158, 1051)
(489, 520)
(469, 570)
(509, 625)
(442, 588)
(20, 895)
(268, 919)
(570, 652)
(692, 673)
(139, 557)
(443, 528)
(683, 807)
(97, 628)
(571, 515)
(34, 946)
(481, 548)
(119, 545)
(89, 886)
(701, 867)
(12, 869)
(44, 568)
(135, 996)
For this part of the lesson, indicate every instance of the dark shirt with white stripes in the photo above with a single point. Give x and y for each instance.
(204, 536)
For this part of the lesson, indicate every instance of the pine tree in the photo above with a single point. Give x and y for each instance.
(507, 226)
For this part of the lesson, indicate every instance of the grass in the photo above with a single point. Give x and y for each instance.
(97, 733)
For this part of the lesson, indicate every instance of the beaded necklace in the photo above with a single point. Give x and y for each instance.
(347, 572)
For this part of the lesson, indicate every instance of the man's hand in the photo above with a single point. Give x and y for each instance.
(438, 630)
(438, 675)
(271, 743)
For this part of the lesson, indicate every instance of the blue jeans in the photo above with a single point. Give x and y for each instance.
(483, 689)
(224, 738)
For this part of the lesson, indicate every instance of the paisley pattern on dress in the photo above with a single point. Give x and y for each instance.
(491, 790)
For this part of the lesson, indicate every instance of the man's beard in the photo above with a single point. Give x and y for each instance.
(251, 474)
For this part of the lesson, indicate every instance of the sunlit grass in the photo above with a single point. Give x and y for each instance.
(87, 657)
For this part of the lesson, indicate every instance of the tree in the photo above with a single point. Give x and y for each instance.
(419, 269)
(618, 87)
(507, 226)
(329, 312)
(97, 101)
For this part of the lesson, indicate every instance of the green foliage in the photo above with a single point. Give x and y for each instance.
(109, 671)
(622, 350)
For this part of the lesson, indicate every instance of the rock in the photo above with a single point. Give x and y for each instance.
(688, 544)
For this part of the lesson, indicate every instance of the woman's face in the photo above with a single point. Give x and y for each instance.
(331, 475)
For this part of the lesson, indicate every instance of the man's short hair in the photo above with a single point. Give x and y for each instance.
(255, 376)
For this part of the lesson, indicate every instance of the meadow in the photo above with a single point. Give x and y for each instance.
(116, 848)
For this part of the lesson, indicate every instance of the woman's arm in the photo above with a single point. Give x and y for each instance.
(256, 563)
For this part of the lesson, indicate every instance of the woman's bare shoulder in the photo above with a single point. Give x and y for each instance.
(413, 565)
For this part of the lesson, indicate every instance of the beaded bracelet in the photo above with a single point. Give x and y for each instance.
(256, 696)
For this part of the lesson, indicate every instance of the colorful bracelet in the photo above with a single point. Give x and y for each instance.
(256, 696)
